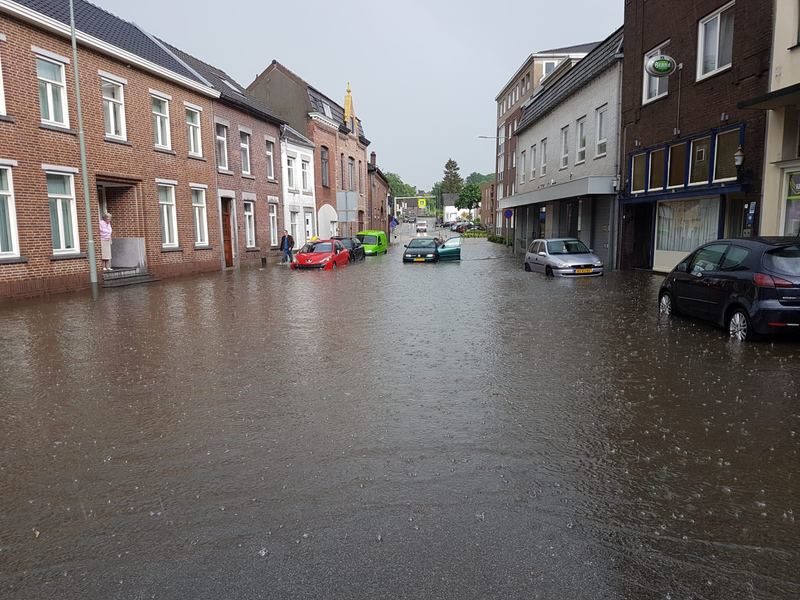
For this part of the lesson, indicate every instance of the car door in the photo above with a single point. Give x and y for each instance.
(341, 255)
(450, 250)
(700, 291)
(538, 260)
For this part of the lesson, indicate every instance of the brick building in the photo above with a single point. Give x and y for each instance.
(337, 133)
(682, 133)
(488, 209)
(147, 121)
(377, 197)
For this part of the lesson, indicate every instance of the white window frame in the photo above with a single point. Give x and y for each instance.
(564, 147)
(273, 224)
(60, 198)
(544, 68)
(543, 163)
(162, 206)
(53, 87)
(717, 14)
(524, 162)
(113, 101)
(647, 77)
(580, 145)
(158, 118)
(270, 145)
(244, 149)
(600, 120)
(194, 132)
(305, 175)
(222, 155)
(200, 216)
(290, 173)
(12, 215)
(2, 87)
(249, 223)
(533, 161)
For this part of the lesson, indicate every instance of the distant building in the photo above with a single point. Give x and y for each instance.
(488, 208)
(297, 174)
(378, 197)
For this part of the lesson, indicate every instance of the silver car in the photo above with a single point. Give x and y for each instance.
(562, 257)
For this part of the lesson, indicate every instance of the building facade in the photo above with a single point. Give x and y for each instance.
(147, 122)
(379, 196)
(300, 207)
(567, 155)
(488, 209)
(684, 133)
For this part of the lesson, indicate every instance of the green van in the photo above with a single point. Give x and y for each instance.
(374, 242)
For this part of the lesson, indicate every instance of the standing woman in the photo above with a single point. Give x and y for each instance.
(105, 241)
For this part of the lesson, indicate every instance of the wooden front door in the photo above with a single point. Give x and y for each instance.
(227, 237)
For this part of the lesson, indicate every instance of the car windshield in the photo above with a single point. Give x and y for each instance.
(348, 243)
(422, 244)
(317, 247)
(785, 261)
(368, 239)
(567, 247)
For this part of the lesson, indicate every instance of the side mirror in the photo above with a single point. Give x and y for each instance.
(405, 245)
(591, 250)
(681, 268)
(542, 253)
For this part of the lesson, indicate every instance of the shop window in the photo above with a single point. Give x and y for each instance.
(700, 161)
(656, 176)
(638, 169)
(724, 166)
(684, 225)
(677, 166)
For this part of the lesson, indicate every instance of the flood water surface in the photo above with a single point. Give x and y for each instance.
(461, 430)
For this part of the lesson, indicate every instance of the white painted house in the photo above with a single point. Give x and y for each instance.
(299, 204)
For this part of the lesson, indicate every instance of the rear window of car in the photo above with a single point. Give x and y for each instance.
(785, 261)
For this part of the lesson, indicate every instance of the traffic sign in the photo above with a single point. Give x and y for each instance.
(508, 213)
(422, 202)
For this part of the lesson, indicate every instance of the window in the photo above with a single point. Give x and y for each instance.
(326, 109)
(514, 160)
(543, 165)
(324, 160)
(290, 172)
(735, 256)
(169, 222)
(193, 132)
(113, 108)
(200, 217)
(564, 147)
(249, 225)
(161, 134)
(244, 146)
(580, 140)
(715, 42)
(304, 175)
(351, 164)
(270, 159)
(9, 244)
(677, 166)
(699, 170)
(654, 87)
(638, 166)
(707, 259)
(360, 177)
(63, 213)
(724, 166)
(791, 223)
(341, 162)
(52, 92)
(533, 161)
(683, 225)
(600, 135)
(273, 225)
(523, 171)
(655, 180)
(293, 223)
(548, 67)
(221, 142)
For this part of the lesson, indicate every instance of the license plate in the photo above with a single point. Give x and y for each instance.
(419, 260)
(582, 271)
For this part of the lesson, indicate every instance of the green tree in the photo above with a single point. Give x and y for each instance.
(469, 197)
(476, 177)
(398, 187)
(452, 182)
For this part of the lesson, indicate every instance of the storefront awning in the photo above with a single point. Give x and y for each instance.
(787, 96)
(585, 186)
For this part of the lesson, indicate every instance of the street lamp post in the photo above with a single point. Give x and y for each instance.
(82, 144)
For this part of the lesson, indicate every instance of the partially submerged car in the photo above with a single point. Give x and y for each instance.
(374, 241)
(322, 254)
(562, 257)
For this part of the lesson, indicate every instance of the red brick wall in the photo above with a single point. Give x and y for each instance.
(323, 136)
(135, 162)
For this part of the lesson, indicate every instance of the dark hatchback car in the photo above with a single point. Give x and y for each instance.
(422, 249)
(354, 247)
(749, 286)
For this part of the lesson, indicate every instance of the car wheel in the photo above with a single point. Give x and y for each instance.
(665, 305)
(548, 271)
(527, 267)
(739, 327)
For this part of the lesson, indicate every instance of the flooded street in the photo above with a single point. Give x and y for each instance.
(461, 430)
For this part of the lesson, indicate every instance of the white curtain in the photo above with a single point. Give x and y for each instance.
(684, 225)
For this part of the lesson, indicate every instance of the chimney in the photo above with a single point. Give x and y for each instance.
(372, 159)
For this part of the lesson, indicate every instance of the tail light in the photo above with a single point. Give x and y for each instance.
(770, 281)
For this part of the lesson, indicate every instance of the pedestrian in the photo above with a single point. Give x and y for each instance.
(105, 240)
(287, 243)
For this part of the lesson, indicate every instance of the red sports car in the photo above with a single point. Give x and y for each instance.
(322, 254)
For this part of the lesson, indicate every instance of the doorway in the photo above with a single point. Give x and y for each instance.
(227, 230)
(637, 236)
(309, 225)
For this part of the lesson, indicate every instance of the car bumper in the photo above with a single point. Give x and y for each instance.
(315, 267)
(420, 259)
(571, 272)
(771, 317)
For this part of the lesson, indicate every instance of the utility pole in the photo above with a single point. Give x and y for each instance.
(82, 143)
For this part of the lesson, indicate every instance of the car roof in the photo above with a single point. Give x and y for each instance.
(370, 232)
(561, 239)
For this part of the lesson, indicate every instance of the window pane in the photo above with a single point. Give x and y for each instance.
(44, 101)
(159, 105)
(54, 226)
(193, 117)
(48, 70)
(792, 222)
(725, 38)
(5, 224)
(66, 219)
(685, 225)
(638, 172)
(58, 106)
(736, 255)
(4, 180)
(677, 165)
(657, 169)
(111, 90)
(58, 185)
(727, 144)
(710, 45)
(700, 161)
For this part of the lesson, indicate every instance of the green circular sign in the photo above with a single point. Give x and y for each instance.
(660, 65)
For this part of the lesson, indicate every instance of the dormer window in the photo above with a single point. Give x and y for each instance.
(326, 109)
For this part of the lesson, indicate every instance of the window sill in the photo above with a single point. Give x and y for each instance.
(204, 247)
(196, 157)
(645, 102)
(580, 162)
(176, 249)
(66, 130)
(14, 260)
(293, 191)
(272, 180)
(166, 151)
(224, 171)
(246, 176)
(603, 155)
(55, 257)
(252, 249)
(111, 140)
(711, 74)
(563, 168)
(7, 119)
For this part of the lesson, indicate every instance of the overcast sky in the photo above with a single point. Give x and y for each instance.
(424, 73)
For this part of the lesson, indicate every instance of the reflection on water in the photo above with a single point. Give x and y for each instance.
(452, 431)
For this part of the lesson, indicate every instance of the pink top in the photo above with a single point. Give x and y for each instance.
(105, 230)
